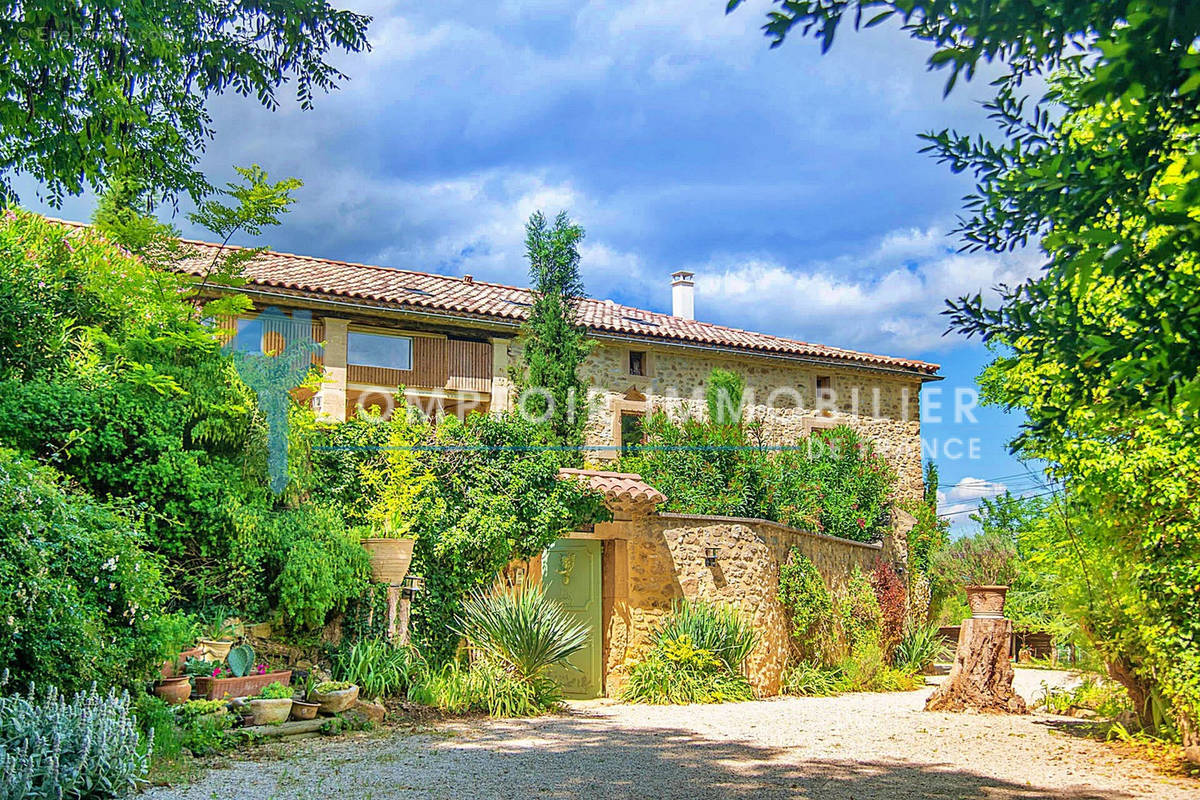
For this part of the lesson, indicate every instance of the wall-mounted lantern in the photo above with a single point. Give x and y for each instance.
(412, 584)
(710, 556)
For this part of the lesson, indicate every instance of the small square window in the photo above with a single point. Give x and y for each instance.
(824, 389)
(637, 362)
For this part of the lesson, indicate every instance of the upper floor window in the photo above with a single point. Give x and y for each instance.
(824, 389)
(249, 336)
(379, 350)
(637, 362)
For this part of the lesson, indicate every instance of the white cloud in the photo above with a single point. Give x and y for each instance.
(889, 298)
(965, 496)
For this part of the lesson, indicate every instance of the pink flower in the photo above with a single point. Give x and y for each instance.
(216, 671)
(861, 522)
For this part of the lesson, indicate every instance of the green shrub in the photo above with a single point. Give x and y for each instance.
(87, 747)
(803, 594)
(484, 687)
(83, 600)
(324, 568)
(717, 629)
(856, 610)
(696, 656)
(378, 667)
(275, 691)
(919, 647)
(831, 482)
(812, 679)
(677, 672)
(985, 559)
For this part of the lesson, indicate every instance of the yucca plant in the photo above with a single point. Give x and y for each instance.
(521, 629)
(919, 646)
(718, 629)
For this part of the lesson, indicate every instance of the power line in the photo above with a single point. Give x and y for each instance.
(976, 507)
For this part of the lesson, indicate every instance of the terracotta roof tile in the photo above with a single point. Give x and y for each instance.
(406, 289)
(623, 491)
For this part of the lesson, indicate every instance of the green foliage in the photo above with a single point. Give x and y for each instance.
(716, 629)
(275, 691)
(523, 630)
(928, 534)
(931, 483)
(84, 601)
(87, 747)
(324, 567)
(803, 593)
(723, 397)
(696, 656)
(97, 97)
(863, 670)
(920, 646)
(328, 687)
(986, 559)
(1106, 698)
(832, 482)
(482, 688)
(856, 611)
(677, 672)
(378, 667)
(554, 342)
(811, 679)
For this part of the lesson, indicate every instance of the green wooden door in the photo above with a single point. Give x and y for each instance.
(571, 576)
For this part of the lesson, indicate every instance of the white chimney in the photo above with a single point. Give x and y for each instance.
(683, 288)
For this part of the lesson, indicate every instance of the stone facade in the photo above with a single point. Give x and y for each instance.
(651, 562)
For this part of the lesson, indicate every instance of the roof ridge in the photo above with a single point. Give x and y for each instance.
(654, 318)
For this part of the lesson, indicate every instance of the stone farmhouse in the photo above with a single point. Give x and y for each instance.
(450, 341)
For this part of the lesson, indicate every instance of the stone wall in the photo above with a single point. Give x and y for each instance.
(660, 559)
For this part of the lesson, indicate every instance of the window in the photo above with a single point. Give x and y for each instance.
(824, 389)
(379, 350)
(631, 431)
(249, 336)
(637, 362)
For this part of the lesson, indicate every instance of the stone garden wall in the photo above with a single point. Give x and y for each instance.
(660, 559)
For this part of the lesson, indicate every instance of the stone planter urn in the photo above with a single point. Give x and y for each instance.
(268, 712)
(335, 701)
(986, 602)
(215, 650)
(389, 558)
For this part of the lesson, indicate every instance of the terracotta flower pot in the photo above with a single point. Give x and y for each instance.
(174, 691)
(389, 558)
(986, 602)
(220, 688)
(214, 650)
(334, 702)
(302, 710)
(268, 712)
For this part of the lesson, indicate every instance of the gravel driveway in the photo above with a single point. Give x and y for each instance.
(854, 747)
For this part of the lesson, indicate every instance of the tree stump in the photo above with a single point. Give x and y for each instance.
(982, 675)
(399, 610)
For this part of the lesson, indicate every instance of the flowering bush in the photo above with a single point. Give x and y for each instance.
(82, 601)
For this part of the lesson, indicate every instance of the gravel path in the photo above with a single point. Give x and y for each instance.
(854, 747)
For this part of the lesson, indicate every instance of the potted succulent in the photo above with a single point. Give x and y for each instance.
(201, 709)
(273, 704)
(985, 566)
(241, 677)
(217, 639)
(333, 696)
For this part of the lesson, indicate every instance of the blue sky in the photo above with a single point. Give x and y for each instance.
(790, 182)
